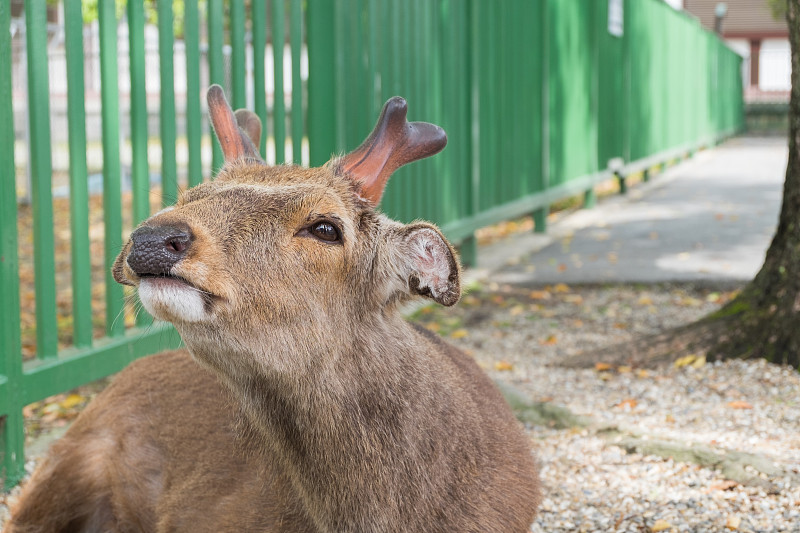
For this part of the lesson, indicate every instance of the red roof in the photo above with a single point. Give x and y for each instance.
(745, 18)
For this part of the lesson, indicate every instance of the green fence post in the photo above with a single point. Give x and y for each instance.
(623, 184)
(112, 204)
(78, 183)
(194, 114)
(296, 38)
(540, 215)
(589, 198)
(166, 54)
(278, 104)
(540, 220)
(41, 179)
(140, 172)
(12, 436)
(321, 81)
(216, 66)
(468, 250)
(259, 8)
(237, 37)
(140, 168)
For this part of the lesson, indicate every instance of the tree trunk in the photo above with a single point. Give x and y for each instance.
(764, 319)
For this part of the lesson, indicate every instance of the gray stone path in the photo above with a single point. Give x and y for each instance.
(710, 218)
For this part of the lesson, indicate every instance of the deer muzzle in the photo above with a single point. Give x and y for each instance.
(156, 250)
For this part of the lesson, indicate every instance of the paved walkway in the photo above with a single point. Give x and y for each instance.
(709, 218)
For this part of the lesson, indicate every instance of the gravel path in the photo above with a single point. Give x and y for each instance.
(591, 484)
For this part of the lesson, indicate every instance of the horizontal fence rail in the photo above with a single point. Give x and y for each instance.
(537, 98)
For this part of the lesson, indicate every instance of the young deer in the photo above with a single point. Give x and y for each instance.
(284, 283)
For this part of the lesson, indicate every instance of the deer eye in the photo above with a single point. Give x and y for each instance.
(325, 231)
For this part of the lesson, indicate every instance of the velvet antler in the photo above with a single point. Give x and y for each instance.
(393, 143)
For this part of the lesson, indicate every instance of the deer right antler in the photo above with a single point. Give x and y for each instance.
(393, 143)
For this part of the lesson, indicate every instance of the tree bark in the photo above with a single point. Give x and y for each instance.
(764, 319)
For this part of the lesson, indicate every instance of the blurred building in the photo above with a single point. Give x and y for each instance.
(751, 28)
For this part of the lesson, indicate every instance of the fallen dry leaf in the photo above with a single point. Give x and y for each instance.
(642, 373)
(686, 361)
(601, 367)
(71, 401)
(630, 403)
(624, 369)
(660, 525)
(549, 341)
(733, 522)
(573, 298)
(561, 287)
(503, 366)
(459, 333)
(725, 484)
(740, 404)
(517, 310)
(433, 326)
(688, 301)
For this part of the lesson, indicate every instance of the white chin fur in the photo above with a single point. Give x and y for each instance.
(169, 300)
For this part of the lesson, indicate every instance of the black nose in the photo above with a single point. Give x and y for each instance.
(156, 249)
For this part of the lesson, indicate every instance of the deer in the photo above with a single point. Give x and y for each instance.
(303, 400)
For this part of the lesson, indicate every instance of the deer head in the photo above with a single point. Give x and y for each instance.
(288, 250)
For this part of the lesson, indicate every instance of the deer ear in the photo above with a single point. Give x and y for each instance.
(235, 143)
(432, 267)
(393, 143)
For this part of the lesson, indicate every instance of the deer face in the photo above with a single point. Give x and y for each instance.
(287, 248)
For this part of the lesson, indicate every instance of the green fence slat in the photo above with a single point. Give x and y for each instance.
(296, 38)
(140, 172)
(216, 65)
(321, 81)
(41, 170)
(259, 69)
(112, 205)
(194, 114)
(12, 436)
(78, 183)
(140, 168)
(166, 42)
(237, 37)
(278, 105)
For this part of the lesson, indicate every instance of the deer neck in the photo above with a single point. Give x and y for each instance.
(340, 421)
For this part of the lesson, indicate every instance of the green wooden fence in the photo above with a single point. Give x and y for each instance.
(536, 97)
